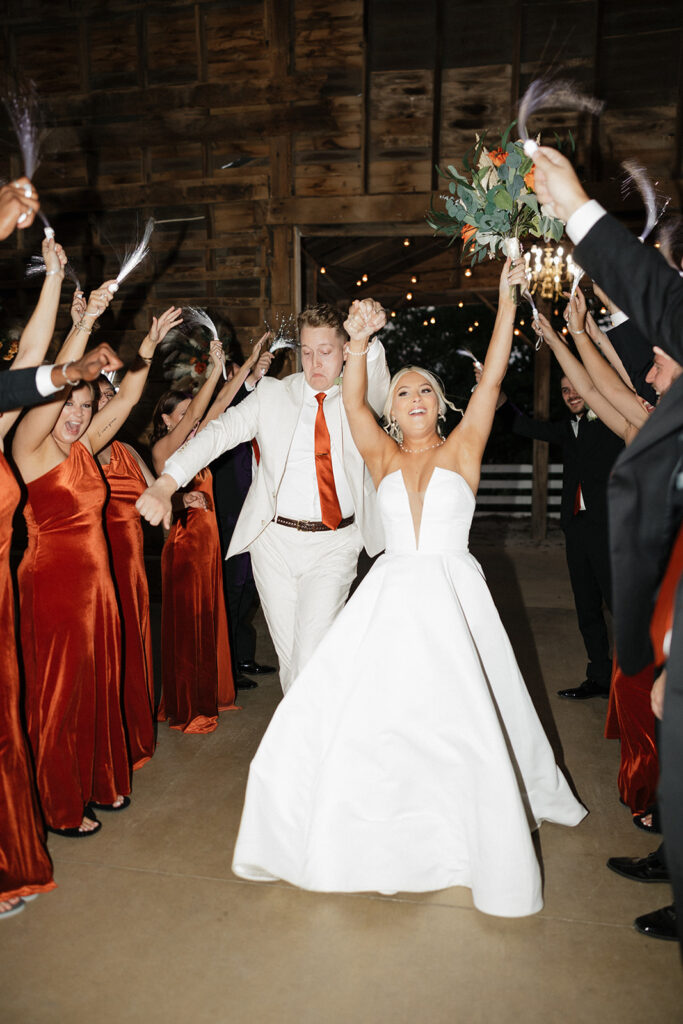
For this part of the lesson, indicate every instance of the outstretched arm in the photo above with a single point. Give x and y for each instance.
(604, 377)
(106, 424)
(231, 387)
(365, 318)
(171, 442)
(580, 380)
(37, 424)
(37, 335)
(470, 437)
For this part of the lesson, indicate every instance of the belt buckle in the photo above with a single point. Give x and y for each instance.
(298, 526)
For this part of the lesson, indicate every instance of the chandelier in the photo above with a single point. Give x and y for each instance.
(550, 271)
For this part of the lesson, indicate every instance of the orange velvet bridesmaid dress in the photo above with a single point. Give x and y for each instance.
(70, 639)
(124, 530)
(197, 679)
(25, 866)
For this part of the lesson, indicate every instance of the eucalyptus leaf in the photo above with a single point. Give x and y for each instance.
(503, 199)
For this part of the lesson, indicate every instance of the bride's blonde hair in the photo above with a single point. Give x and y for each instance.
(392, 428)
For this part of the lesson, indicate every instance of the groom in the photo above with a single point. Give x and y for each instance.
(311, 506)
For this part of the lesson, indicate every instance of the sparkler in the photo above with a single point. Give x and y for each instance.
(134, 258)
(21, 104)
(36, 266)
(637, 178)
(544, 94)
(283, 337)
(194, 317)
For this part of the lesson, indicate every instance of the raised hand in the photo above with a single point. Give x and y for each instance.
(98, 360)
(365, 318)
(217, 355)
(98, 301)
(575, 312)
(556, 183)
(54, 257)
(78, 307)
(171, 318)
(513, 273)
(18, 206)
(257, 357)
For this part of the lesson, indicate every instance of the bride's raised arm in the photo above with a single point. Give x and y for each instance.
(365, 318)
(469, 439)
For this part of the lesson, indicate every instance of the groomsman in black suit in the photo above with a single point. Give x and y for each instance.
(232, 475)
(589, 450)
(644, 511)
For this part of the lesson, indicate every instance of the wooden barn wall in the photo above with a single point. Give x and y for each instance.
(332, 112)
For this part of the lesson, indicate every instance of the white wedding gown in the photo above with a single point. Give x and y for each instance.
(407, 756)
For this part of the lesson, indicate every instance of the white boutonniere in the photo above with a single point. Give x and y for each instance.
(590, 416)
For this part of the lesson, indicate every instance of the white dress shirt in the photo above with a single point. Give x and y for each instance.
(583, 219)
(44, 381)
(298, 497)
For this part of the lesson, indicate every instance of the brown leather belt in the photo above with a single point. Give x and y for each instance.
(308, 527)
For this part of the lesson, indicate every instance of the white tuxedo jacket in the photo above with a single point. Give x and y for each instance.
(270, 414)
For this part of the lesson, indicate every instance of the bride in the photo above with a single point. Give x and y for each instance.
(407, 756)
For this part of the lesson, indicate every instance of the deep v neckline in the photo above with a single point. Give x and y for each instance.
(413, 505)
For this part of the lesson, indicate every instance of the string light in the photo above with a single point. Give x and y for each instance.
(470, 329)
(460, 305)
(425, 323)
(358, 283)
(516, 331)
(406, 242)
(322, 270)
(468, 272)
(409, 296)
(413, 279)
(521, 323)
(564, 330)
(393, 312)
(476, 323)
(432, 320)
(657, 244)
(364, 278)
(602, 309)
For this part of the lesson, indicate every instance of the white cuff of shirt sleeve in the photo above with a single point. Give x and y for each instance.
(44, 381)
(247, 387)
(173, 470)
(374, 349)
(617, 318)
(583, 219)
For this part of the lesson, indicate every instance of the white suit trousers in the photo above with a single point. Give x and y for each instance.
(303, 580)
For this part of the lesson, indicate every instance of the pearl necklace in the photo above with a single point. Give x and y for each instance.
(418, 451)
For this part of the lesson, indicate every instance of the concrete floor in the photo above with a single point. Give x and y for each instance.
(149, 925)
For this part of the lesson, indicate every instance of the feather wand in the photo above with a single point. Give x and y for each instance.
(134, 258)
(194, 317)
(23, 111)
(36, 266)
(283, 337)
(543, 94)
(637, 178)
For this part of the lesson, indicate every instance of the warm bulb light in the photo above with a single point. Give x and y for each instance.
(521, 323)
(413, 279)
(409, 296)
(476, 323)
(322, 270)
(516, 331)
(406, 242)
(358, 283)
(564, 330)
(425, 323)
(460, 305)
(364, 278)
(468, 272)
(470, 329)
(432, 319)
(393, 312)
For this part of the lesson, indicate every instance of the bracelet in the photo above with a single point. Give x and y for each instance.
(90, 314)
(574, 331)
(146, 359)
(64, 368)
(363, 353)
(51, 273)
(80, 326)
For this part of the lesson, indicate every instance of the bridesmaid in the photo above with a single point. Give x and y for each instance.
(197, 680)
(25, 865)
(127, 477)
(70, 628)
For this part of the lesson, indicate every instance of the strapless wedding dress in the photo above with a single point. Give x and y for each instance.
(408, 756)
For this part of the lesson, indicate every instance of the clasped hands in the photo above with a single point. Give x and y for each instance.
(365, 318)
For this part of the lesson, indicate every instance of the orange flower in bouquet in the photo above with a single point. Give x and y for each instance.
(529, 179)
(468, 232)
(497, 156)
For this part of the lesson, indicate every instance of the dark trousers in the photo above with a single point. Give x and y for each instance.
(671, 761)
(241, 598)
(589, 571)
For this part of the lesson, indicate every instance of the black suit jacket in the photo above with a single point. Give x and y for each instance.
(587, 459)
(638, 279)
(635, 352)
(642, 517)
(18, 388)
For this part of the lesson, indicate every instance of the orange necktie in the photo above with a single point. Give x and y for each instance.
(329, 502)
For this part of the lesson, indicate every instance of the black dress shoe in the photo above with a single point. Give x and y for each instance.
(640, 869)
(660, 924)
(252, 668)
(587, 690)
(242, 683)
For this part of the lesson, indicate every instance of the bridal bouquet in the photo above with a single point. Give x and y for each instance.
(492, 205)
(185, 356)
